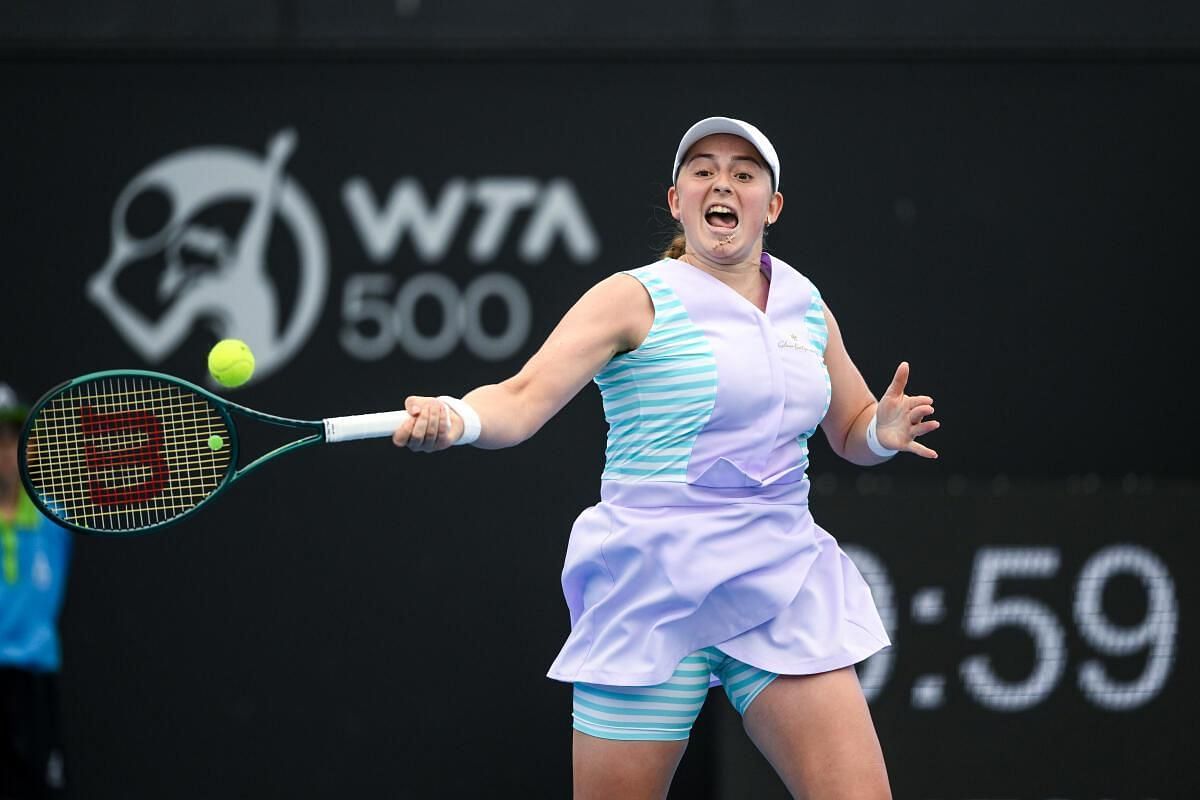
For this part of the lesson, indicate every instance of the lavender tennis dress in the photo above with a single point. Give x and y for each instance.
(703, 535)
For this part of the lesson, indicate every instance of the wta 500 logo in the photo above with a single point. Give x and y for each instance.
(221, 273)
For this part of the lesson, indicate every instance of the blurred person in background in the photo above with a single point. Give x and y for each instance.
(34, 553)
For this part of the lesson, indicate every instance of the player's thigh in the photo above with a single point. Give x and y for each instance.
(816, 731)
(631, 770)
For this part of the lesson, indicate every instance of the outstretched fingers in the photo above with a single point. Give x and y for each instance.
(903, 418)
(919, 410)
(920, 424)
(899, 380)
(918, 449)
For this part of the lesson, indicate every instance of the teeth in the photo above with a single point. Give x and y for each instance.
(719, 210)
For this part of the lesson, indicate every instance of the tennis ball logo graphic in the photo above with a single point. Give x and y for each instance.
(230, 362)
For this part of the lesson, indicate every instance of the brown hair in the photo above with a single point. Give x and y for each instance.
(678, 245)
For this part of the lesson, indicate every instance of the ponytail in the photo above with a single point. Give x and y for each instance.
(678, 245)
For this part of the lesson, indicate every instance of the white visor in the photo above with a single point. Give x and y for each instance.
(707, 127)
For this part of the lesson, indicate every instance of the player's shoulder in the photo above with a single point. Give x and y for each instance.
(646, 273)
(632, 282)
(619, 293)
(619, 303)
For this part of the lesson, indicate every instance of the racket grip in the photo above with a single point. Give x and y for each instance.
(363, 426)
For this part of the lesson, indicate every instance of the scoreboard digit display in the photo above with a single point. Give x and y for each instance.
(1040, 637)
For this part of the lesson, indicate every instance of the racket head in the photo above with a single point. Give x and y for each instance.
(126, 452)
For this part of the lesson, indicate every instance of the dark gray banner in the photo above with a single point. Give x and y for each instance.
(360, 621)
(449, 26)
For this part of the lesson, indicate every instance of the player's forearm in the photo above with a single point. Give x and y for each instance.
(854, 444)
(507, 415)
(605, 321)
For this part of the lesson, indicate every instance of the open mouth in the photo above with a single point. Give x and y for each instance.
(720, 216)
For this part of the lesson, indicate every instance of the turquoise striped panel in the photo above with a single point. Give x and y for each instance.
(665, 712)
(658, 397)
(814, 320)
(818, 337)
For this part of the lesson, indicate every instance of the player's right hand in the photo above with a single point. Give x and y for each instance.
(430, 426)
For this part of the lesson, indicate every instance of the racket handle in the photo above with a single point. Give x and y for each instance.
(363, 426)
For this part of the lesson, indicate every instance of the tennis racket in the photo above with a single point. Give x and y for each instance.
(129, 451)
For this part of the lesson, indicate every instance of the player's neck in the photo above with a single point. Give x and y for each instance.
(746, 277)
(725, 271)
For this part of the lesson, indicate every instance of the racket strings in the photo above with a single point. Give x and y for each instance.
(125, 453)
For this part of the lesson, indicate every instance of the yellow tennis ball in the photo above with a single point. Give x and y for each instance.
(230, 362)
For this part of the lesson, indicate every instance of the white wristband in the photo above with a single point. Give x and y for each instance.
(472, 427)
(873, 441)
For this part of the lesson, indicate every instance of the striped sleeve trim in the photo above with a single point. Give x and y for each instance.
(814, 321)
(818, 336)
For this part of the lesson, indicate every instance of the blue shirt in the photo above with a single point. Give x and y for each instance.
(33, 570)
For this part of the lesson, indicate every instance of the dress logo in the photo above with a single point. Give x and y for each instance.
(796, 342)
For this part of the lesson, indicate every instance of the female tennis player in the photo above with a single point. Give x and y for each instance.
(702, 564)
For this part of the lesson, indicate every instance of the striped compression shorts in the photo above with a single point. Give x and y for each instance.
(665, 712)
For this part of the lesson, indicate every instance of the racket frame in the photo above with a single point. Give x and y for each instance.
(224, 408)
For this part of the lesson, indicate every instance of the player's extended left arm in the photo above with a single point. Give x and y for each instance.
(899, 418)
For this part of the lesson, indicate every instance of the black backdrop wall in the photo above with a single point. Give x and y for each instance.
(361, 621)
(720, 26)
